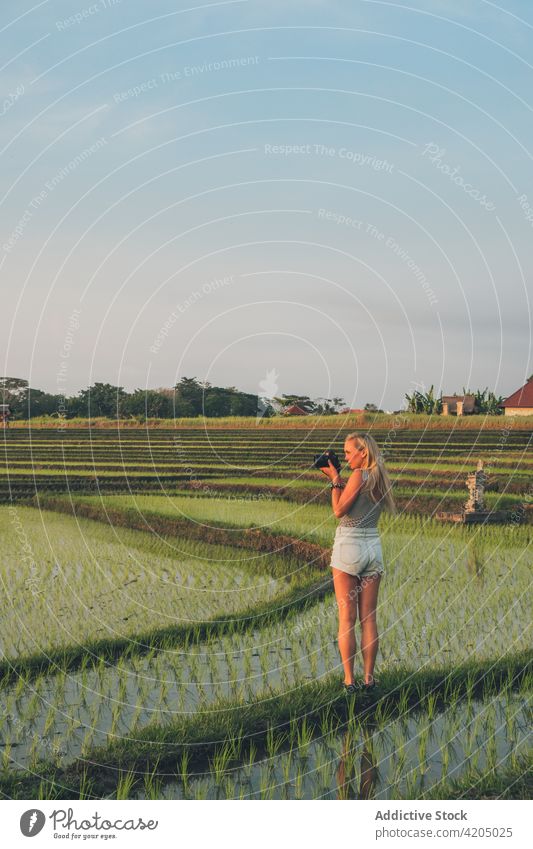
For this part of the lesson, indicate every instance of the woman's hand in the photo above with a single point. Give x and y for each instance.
(331, 472)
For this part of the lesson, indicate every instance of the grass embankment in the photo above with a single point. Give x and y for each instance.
(422, 499)
(399, 421)
(280, 526)
(282, 475)
(237, 731)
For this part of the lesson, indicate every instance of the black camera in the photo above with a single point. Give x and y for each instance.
(321, 460)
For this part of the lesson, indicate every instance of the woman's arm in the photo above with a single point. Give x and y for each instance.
(343, 499)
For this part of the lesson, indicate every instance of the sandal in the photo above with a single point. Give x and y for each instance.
(350, 689)
(360, 684)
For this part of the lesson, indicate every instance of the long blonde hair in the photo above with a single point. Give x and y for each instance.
(378, 484)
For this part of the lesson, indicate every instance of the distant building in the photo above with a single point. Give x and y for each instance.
(520, 403)
(347, 410)
(458, 405)
(295, 410)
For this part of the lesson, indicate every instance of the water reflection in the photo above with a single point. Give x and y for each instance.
(347, 778)
(379, 759)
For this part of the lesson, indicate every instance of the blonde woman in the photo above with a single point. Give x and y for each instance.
(357, 557)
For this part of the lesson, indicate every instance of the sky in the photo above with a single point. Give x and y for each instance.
(324, 198)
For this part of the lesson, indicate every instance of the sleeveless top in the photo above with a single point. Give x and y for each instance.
(364, 513)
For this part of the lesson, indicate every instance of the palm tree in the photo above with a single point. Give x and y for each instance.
(486, 402)
(427, 403)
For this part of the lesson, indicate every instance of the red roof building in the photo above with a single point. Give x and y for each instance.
(294, 410)
(520, 403)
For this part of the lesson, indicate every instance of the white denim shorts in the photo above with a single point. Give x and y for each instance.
(357, 551)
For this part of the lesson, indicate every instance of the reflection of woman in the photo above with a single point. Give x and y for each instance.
(369, 772)
(357, 557)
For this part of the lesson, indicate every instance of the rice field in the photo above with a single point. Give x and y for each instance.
(87, 582)
(113, 460)
(170, 628)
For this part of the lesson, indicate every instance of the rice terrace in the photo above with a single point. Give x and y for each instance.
(170, 626)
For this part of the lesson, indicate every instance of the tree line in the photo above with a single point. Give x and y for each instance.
(191, 397)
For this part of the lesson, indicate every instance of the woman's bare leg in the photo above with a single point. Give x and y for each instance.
(368, 597)
(346, 590)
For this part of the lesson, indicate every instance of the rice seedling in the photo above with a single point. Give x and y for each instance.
(32, 708)
(430, 705)
(298, 783)
(304, 735)
(274, 741)
(445, 755)
(403, 701)
(265, 791)
(34, 751)
(125, 782)
(286, 766)
(423, 765)
(400, 754)
(48, 789)
(491, 753)
(20, 688)
(50, 719)
(153, 784)
(252, 752)
(382, 714)
(412, 782)
(220, 760)
(201, 789)
(326, 720)
(228, 788)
